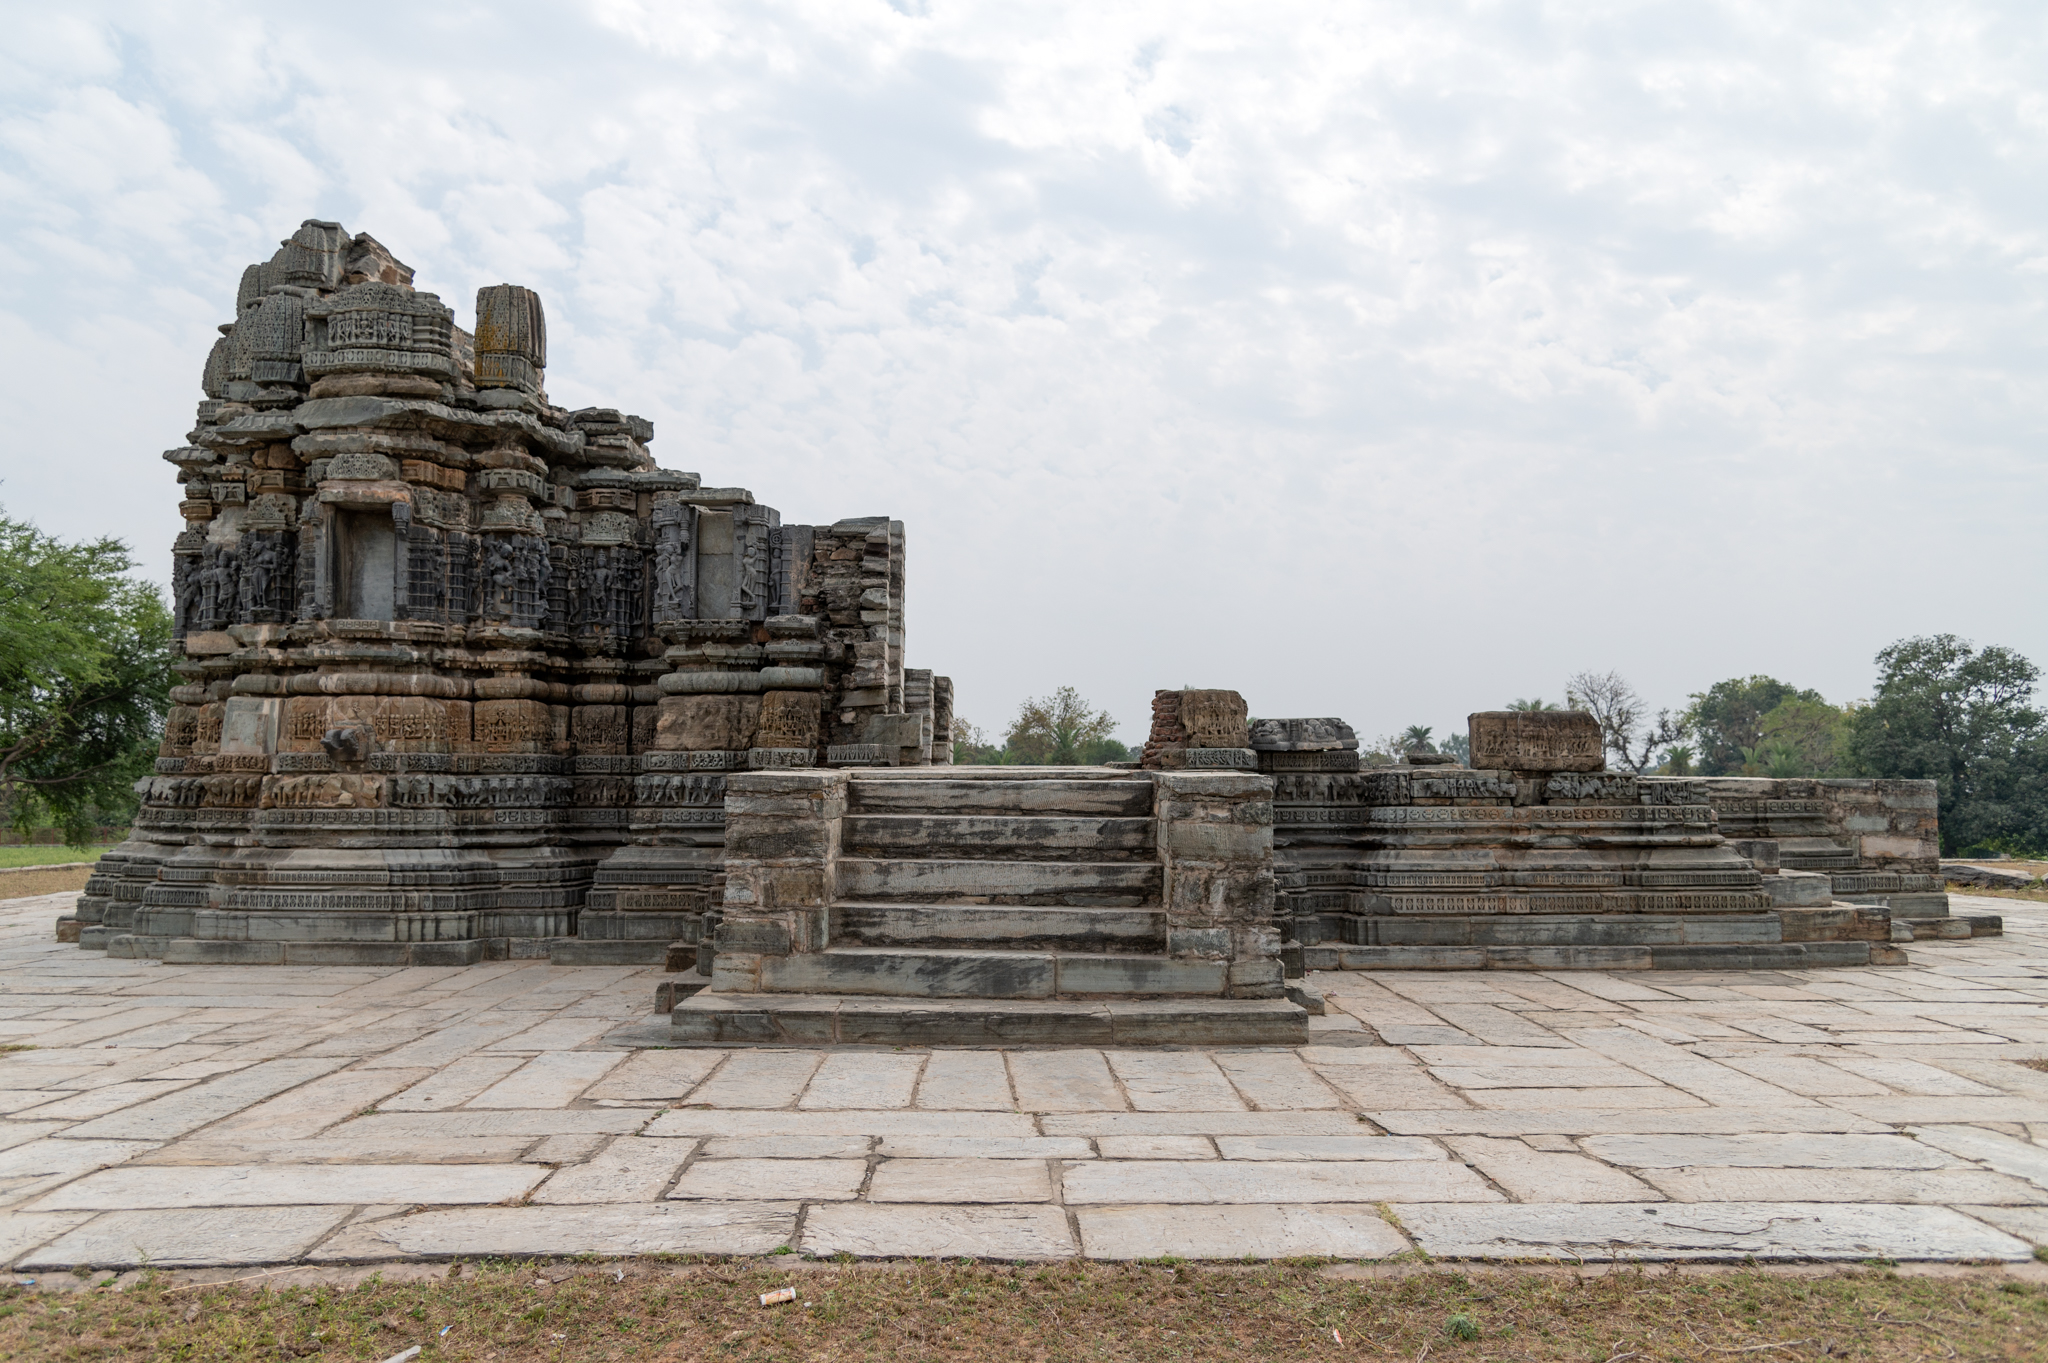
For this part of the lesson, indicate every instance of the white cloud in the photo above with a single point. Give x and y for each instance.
(1385, 360)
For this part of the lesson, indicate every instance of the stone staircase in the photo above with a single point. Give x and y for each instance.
(992, 908)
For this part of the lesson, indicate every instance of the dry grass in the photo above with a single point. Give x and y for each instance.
(525, 1313)
(2037, 894)
(23, 884)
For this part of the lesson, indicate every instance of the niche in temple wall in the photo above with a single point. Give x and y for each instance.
(717, 568)
(366, 564)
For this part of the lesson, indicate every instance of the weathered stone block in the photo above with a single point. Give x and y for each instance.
(1535, 741)
(1216, 841)
(789, 719)
(706, 723)
(1215, 719)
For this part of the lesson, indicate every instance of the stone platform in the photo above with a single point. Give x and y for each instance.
(190, 1115)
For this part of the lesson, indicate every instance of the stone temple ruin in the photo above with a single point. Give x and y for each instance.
(465, 672)
(467, 676)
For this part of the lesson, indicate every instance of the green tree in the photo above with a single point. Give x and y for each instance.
(1533, 703)
(1729, 716)
(1963, 717)
(1805, 738)
(1458, 746)
(1416, 736)
(1677, 761)
(85, 658)
(1057, 730)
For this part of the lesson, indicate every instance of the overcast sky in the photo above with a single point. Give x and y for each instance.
(1383, 360)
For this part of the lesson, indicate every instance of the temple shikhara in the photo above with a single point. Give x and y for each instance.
(469, 676)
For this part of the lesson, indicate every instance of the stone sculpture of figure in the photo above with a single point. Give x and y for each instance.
(668, 578)
(499, 570)
(259, 573)
(187, 587)
(597, 598)
(217, 597)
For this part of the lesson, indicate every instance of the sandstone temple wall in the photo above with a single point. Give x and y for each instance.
(450, 649)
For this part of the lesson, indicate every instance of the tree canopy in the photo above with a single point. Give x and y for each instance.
(1728, 717)
(1059, 730)
(1964, 717)
(84, 680)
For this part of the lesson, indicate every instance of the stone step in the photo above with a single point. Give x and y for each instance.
(1102, 884)
(1024, 837)
(941, 974)
(837, 1019)
(1955, 928)
(1003, 797)
(998, 927)
(1723, 956)
(599, 951)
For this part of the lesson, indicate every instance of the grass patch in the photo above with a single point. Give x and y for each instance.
(524, 1313)
(50, 856)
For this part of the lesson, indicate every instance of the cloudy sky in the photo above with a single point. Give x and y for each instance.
(1385, 360)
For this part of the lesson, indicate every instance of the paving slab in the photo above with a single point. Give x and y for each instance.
(1232, 1232)
(759, 1079)
(863, 1080)
(77, 1106)
(629, 1169)
(966, 1079)
(656, 1076)
(189, 1109)
(914, 1122)
(189, 1238)
(1943, 1186)
(985, 1147)
(453, 1085)
(1064, 1081)
(1279, 1081)
(2028, 1223)
(873, 1230)
(1531, 1175)
(1604, 1099)
(313, 1107)
(772, 1180)
(1157, 1147)
(1765, 1151)
(37, 1166)
(789, 1147)
(23, 1231)
(747, 1228)
(1191, 1181)
(509, 1122)
(2003, 1153)
(1173, 1081)
(961, 1180)
(1704, 1230)
(552, 1080)
(271, 1185)
(1327, 1148)
(1575, 1121)
(204, 1149)
(1201, 1124)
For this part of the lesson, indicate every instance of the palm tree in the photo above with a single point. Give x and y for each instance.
(1416, 736)
(1534, 703)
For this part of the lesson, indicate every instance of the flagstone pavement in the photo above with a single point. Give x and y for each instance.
(189, 1115)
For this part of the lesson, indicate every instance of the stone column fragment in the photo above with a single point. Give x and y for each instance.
(1215, 837)
(781, 851)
